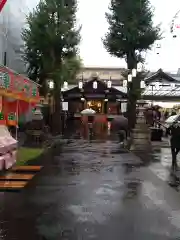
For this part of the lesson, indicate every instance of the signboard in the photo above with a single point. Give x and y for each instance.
(65, 106)
(17, 86)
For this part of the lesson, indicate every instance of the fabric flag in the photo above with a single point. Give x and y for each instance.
(2, 119)
(2, 3)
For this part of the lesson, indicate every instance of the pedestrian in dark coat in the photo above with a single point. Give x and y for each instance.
(175, 142)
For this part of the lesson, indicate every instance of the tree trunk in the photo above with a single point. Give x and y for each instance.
(132, 88)
(57, 109)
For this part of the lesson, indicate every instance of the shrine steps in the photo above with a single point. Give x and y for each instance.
(18, 177)
(26, 168)
(7, 185)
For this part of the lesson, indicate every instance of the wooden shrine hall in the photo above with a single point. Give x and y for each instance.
(97, 95)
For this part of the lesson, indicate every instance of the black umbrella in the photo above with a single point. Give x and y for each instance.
(119, 123)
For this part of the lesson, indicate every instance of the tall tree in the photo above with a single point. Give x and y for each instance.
(131, 32)
(51, 37)
(70, 68)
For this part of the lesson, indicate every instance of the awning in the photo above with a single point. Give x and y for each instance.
(18, 86)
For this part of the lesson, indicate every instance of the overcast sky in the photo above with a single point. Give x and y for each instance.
(91, 15)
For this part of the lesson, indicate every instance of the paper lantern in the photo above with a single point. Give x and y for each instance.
(95, 84)
(80, 85)
(134, 72)
(109, 84)
(129, 77)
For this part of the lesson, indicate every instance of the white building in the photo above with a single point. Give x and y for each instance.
(12, 20)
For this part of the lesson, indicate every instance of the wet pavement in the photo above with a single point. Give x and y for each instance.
(93, 190)
(161, 164)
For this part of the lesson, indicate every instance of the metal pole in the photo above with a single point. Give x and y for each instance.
(5, 58)
(5, 35)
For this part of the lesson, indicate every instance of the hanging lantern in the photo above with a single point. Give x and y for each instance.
(124, 83)
(2, 119)
(51, 84)
(80, 85)
(134, 72)
(129, 77)
(65, 85)
(143, 85)
(95, 84)
(109, 84)
(139, 67)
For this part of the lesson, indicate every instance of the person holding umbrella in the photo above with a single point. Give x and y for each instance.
(120, 126)
(90, 114)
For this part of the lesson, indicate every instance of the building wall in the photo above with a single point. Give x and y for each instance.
(116, 74)
(12, 20)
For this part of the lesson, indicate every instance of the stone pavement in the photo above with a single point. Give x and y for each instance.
(161, 163)
(155, 155)
(92, 190)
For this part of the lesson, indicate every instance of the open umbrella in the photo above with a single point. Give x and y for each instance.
(88, 112)
(157, 107)
(119, 123)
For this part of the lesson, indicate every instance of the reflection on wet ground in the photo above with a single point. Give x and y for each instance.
(91, 191)
(161, 164)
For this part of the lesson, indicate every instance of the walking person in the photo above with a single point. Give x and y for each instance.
(149, 117)
(175, 143)
(166, 115)
(120, 126)
(158, 117)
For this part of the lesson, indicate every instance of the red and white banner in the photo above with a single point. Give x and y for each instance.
(2, 3)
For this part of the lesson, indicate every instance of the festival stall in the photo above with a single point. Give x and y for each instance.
(17, 95)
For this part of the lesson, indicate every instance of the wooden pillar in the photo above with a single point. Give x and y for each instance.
(105, 107)
(84, 104)
(118, 107)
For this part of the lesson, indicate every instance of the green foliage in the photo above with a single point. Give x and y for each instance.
(25, 155)
(51, 37)
(70, 68)
(131, 30)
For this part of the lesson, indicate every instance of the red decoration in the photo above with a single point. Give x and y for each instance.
(17, 86)
(11, 106)
(2, 3)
